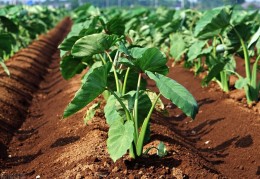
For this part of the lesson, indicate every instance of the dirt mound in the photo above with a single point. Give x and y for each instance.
(27, 68)
(48, 146)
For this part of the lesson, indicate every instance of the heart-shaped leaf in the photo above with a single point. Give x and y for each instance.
(111, 112)
(213, 22)
(67, 43)
(178, 46)
(94, 85)
(71, 66)
(115, 26)
(195, 50)
(152, 60)
(93, 44)
(120, 138)
(175, 92)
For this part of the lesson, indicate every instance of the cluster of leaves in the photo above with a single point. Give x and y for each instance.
(118, 65)
(20, 24)
(218, 36)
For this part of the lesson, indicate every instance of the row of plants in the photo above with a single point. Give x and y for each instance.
(123, 48)
(19, 25)
(119, 64)
(220, 35)
(207, 42)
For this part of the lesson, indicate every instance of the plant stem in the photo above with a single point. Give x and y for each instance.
(135, 112)
(224, 81)
(103, 60)
(115, 74)
(132, 151)
(246, 56)
(247, 66)
(140, 141)
(214, 47)
(128, 116)
(125, 80)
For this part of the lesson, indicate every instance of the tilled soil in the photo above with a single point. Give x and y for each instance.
(223, 141)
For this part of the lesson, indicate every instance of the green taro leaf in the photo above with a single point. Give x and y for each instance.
(195, 50)
(7, 40)
(213, 22)
(114, 111)
(175, 92)
(255, 38)
(94, 85)
(70, 66)
(214, 72)
(116, 26)
(144, 104)
(93, 44)
(68, 43)
(137, 52)
(120, 138)
(258, 46)
(110, 110)
(9, 24)
(178, 46)
(90, 70)
(152, 60)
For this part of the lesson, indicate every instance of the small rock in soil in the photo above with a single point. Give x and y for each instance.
(106, 164)
(115, 169)
(144, 177)
(78, 176)
(207, 142)
(91, 167)
(241, 167)
(177, 173)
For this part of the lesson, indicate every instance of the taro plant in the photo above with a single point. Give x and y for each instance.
(229, 32)
(250, 83)
(121, 72)
(211, 26)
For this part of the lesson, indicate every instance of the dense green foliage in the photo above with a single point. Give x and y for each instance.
(20, 24)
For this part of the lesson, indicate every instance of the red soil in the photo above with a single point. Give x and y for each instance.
(223, 141)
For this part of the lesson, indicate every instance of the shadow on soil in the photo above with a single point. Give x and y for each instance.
(19, 160)
(205, 101)
(152, 161)
(64, 141)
